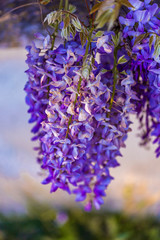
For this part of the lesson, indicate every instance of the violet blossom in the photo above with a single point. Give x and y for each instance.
(81, 102)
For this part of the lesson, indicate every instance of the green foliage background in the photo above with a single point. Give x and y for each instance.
(40, 223)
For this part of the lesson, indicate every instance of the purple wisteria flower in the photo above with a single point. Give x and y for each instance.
(80, 136)
(143, 19)
(37, 90)
(80, 99)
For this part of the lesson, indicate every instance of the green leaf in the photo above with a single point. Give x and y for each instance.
(116, 10)
(116, 39)
(122, 60)
(51, 17)
(99, 34)
(64, 33)
(77, 24)
(108, 13)
(157, 47)
(96, 7)
(151, 41)
(44, 2)
(72, 30)
(126, 3)
(66, 21)
(59, 16)
(92, 60)
(104, 70)
(140, 38)
(123, 72)
(72, 8)
(102, 19)
(86, 71)
(83, 38)
(114, 16)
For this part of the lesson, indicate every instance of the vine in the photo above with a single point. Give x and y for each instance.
(115, 72)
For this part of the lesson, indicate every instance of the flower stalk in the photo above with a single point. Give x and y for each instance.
(115, 78)
(66, 5)
(80, 79)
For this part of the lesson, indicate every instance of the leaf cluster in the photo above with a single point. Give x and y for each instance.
(108, 11)
(70, 24)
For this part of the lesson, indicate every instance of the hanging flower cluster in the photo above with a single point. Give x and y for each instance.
(80, 95)
(141, 26)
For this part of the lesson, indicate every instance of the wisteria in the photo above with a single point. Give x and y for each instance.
(144, 21)
(82, 92)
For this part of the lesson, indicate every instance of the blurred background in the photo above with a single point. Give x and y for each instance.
(134, 191)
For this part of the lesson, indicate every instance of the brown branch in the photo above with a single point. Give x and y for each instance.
(41, 16)
(16, 8)
(87, 5)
